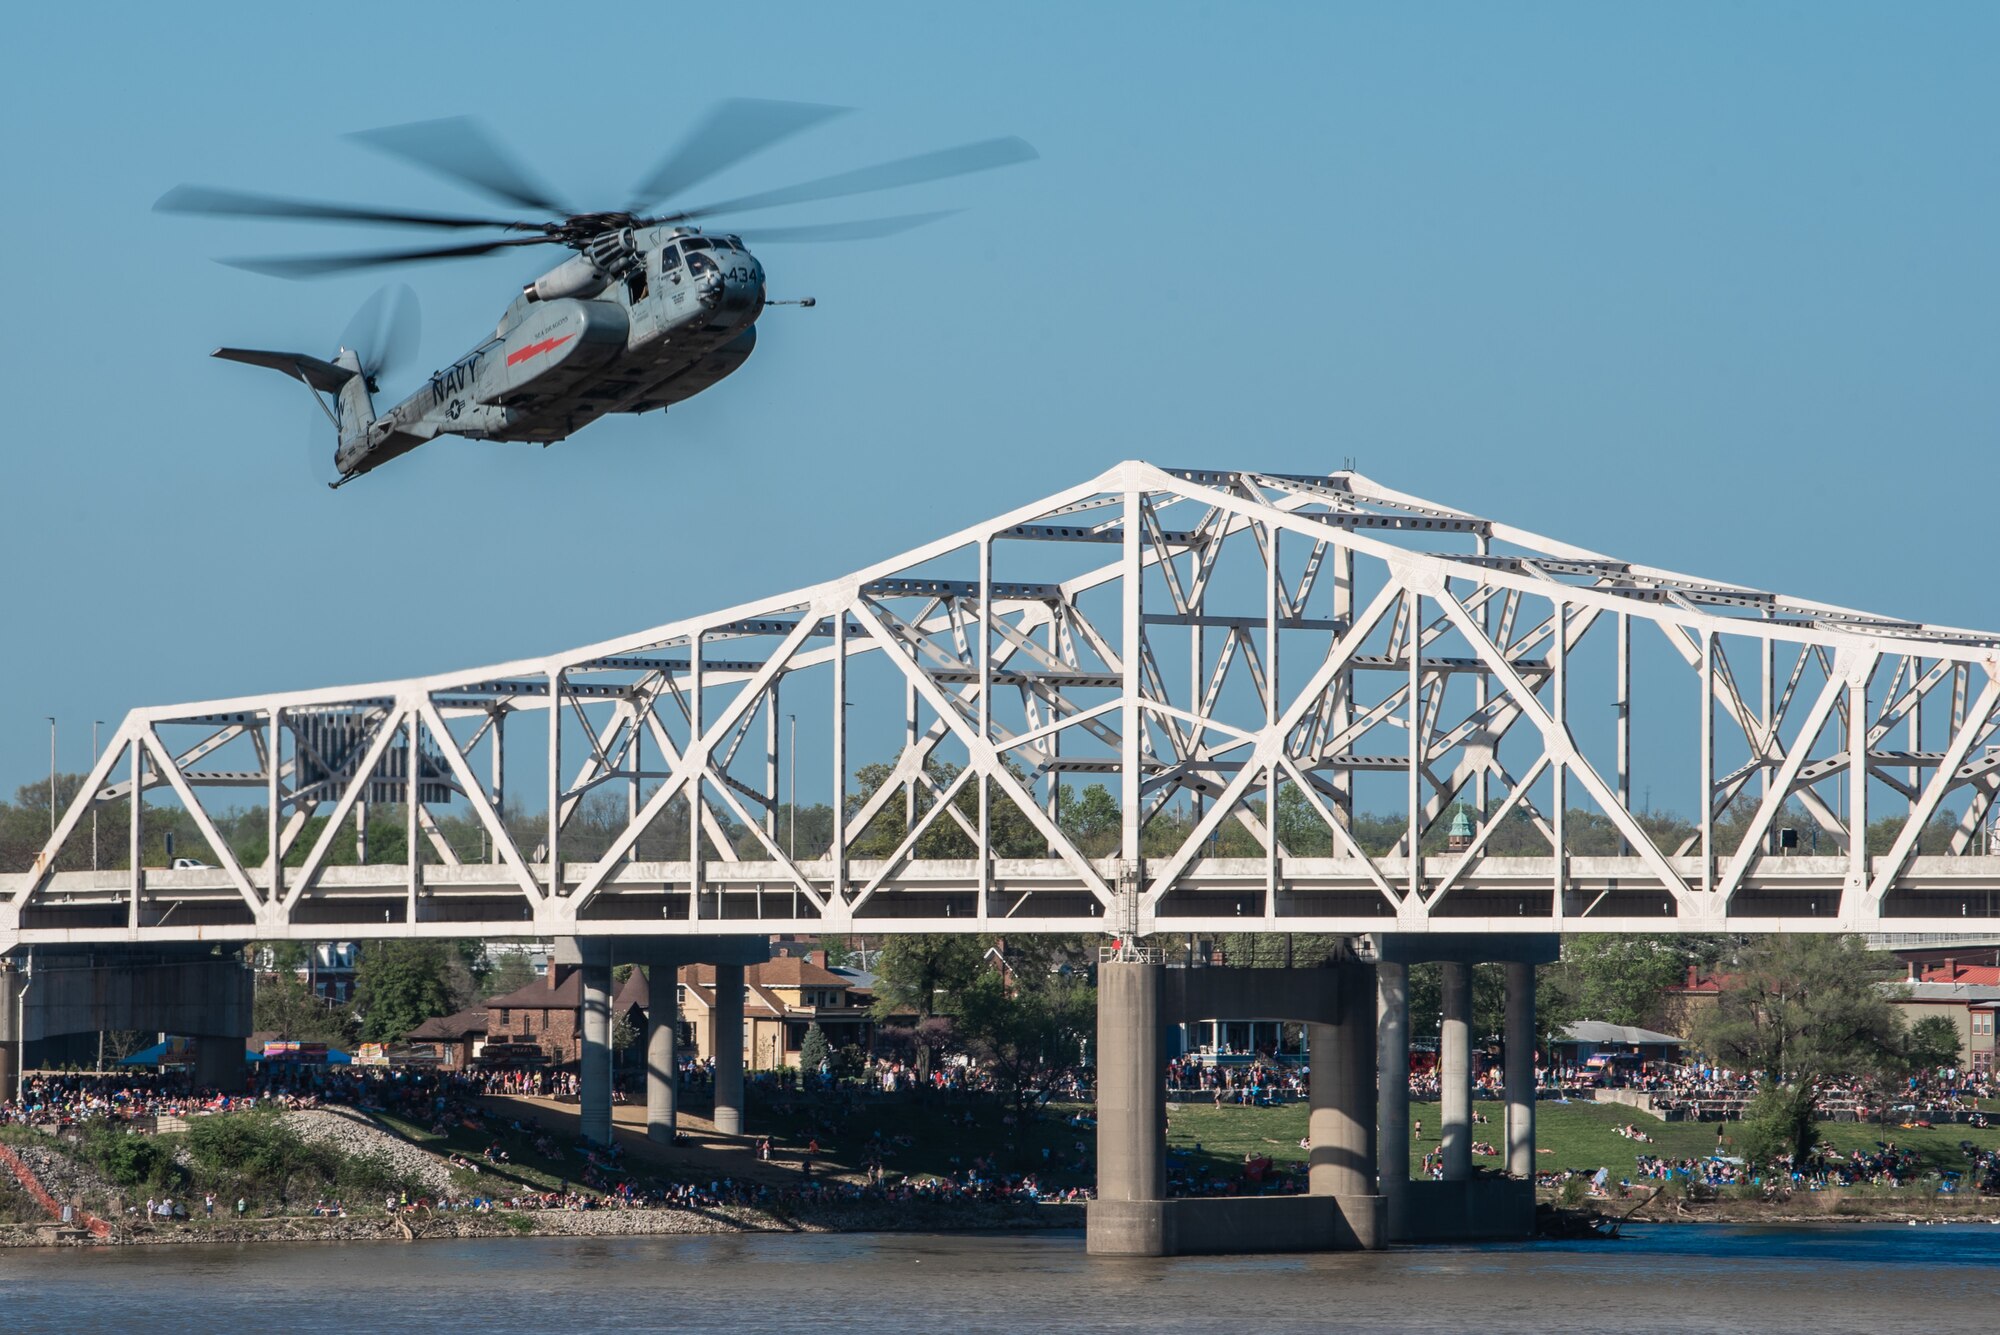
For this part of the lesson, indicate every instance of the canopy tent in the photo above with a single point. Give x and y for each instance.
(170, 1053)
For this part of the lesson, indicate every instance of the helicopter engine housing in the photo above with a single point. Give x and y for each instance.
(577, 276)
(606, 256)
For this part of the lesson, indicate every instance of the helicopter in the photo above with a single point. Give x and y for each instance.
(651, 309)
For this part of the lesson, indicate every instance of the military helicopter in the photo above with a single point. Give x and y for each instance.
(649, 311)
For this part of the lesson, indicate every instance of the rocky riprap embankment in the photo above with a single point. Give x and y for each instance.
(351, 1133)
(65, 1178)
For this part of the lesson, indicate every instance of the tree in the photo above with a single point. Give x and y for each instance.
(1795, 1012)
(400, 984)
(1091, 820)
(923, 976)
(285, 1006)
(509, 973)
(1623, 979)
(814, 1051)
(1025, 1035)
(1930, 1043)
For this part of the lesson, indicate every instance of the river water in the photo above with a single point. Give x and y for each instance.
(1701, 1278)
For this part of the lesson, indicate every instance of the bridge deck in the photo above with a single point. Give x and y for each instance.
(1936, 895)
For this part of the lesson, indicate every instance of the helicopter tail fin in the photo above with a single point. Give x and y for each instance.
(355, 405)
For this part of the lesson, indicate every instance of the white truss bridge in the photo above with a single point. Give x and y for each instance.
(1209, 646)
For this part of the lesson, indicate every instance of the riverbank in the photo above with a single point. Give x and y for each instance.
(429, 1225)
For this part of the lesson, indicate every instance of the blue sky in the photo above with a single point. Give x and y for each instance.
(1707, 286)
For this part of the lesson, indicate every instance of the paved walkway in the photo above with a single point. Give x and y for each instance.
(706, 1151)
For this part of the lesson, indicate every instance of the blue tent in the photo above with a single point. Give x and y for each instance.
(154, 1055)
(334, 1057)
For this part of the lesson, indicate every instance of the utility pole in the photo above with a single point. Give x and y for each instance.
(52, 774)
(793, 837)
(95, 724)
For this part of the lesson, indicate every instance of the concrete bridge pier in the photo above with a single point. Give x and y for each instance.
(592, 956)
(219, 1063)
(50, 997)
(1341, 1123)
(1455, 1072)
(1519, 1146)
(728, 1030)
(1132, 1215)
(663, 1018)
(1465, 1204)
(1392, 1106)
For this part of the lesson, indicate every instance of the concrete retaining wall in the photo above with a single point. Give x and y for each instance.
(1235, 1225)
(1479, 1208)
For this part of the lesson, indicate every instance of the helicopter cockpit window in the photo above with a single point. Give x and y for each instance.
(695, 243)
(670, 256)
(735, 243)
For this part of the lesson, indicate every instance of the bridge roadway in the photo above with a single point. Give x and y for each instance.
(1501, 895)
(1208, 646)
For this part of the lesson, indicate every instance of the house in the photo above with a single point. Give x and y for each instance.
(1968, 997)
(781, 999)
(458, 1040)
(546, 1016)
(327, 971)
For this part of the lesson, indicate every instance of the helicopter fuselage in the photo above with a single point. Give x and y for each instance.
(643, 319)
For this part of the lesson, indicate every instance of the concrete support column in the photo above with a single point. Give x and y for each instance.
(663, 1015)
(1130, 1216)
(1455, 1071)
(1131, 1084)
(1341, 1123)
(218, 1062)
(728, 1029)
(13, 1024)
(594, 1069)
(1520, 1038)
(1392, 1107)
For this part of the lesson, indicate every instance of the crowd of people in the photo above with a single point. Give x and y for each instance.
(1261, 1083)
(64, 1099)
(597, 1177)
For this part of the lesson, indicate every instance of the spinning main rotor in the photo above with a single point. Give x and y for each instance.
(459, 149)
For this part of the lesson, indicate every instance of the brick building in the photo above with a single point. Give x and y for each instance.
(548, 1014)
(456, 1039)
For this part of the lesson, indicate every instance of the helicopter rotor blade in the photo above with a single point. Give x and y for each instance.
(460, 148)
(320, 266)
(985, 155)
(729, 133)
(246, 204)
(860, 229)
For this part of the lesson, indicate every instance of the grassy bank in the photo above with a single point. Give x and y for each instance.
(1567, 1135)
(252, 1156)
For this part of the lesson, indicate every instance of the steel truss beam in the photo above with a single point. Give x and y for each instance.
(1248, 663)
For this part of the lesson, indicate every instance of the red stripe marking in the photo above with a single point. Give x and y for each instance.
(537, 349)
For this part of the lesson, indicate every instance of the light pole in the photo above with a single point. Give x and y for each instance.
(52, 774)
(793, 837)
(95, 724)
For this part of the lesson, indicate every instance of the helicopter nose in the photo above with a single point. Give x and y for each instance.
(743, 286)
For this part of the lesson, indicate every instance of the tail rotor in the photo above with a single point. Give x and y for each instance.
(382, 337)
